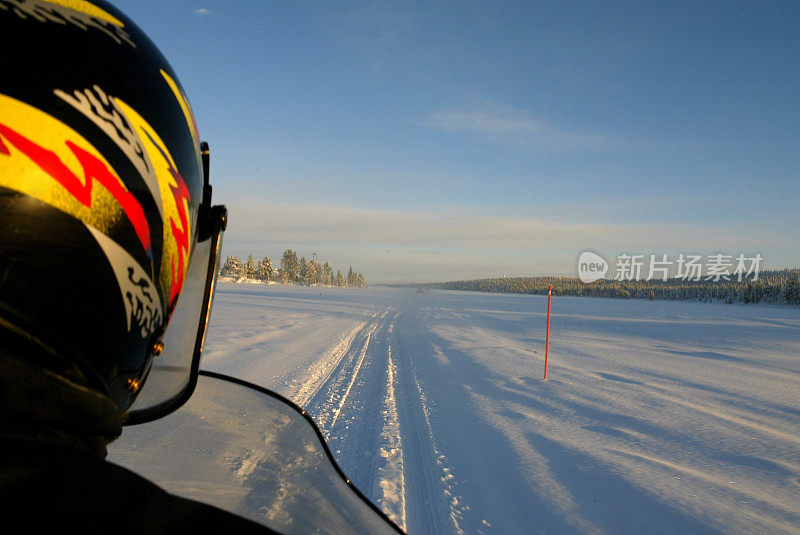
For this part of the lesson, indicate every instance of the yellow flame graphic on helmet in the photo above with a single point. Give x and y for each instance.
(90, 9)
(187, 110)
(46, 159)
(175, 199)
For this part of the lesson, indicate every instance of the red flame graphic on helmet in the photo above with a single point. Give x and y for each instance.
(93, 169)
(179, 234)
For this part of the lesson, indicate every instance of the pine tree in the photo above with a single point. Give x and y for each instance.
(226, 266)
(264, 270)
(290, 267)
(310, 276)
(339, 279)
(327, 274)
(250, 268)
(351, 277)
(233, 267)
(302, 269)
(792, 289)
(317, 272)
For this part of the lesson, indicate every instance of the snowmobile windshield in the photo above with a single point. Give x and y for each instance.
(173, 374)
(249, 451)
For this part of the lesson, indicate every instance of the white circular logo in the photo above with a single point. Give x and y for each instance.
(591, 267)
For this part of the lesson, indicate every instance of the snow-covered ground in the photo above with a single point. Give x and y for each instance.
(657, 417)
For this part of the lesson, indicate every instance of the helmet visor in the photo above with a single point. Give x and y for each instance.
(173, 374)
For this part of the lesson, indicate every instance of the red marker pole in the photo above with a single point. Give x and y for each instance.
(547, 339)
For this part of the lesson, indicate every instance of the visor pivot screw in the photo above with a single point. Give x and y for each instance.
(158, 348)
(133, 385)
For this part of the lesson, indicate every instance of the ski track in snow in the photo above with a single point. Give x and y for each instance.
(338, 395)
(447, 479)
(391, 478)
(357, 413)
(370, 405)
(319, 373)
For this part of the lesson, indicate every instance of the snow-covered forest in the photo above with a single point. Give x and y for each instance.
(291, 270)
(776, 287)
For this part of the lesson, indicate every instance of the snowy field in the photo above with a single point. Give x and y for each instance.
(657, 417)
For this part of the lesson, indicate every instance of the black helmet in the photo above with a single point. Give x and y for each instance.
(105, 214)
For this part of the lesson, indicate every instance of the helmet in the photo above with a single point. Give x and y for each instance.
(105, 208)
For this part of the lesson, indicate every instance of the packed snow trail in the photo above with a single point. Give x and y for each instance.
(356, 411)
(375, 416)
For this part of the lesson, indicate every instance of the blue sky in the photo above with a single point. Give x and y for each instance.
(429, 141)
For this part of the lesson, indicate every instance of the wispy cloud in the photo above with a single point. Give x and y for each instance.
(393, 246)
(504, 124)
(203, 12)
(464, 229)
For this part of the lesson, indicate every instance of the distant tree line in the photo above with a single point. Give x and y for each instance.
(777, 287)
(291, 270)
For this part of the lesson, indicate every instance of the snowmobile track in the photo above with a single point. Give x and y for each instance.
(376, 416)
